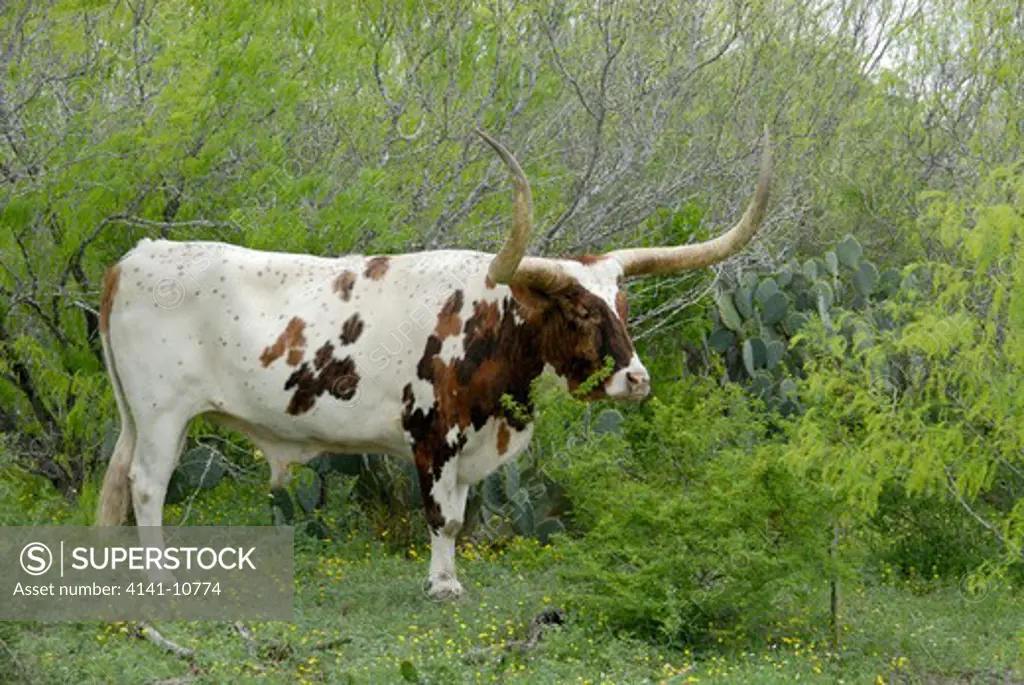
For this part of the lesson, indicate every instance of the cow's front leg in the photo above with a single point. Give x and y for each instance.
(444, 499)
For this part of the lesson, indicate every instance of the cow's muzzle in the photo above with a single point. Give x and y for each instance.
(630, 383)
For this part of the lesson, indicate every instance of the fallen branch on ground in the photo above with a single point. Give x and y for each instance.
(545, 618)
(263, 649)
(147, 632)
(548, 617)
(330, 644)
(279, 651)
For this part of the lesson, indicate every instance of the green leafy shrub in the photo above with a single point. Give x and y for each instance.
(692, 522)
(925, 537)
(930, 403)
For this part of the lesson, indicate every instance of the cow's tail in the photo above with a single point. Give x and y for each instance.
(116, 494)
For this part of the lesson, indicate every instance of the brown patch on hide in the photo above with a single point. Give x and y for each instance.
(588, 259)
(111, 281)
(351, 329)
(503, 438)
(323, 355)
(290, 340)
(337, 377)
(448, 321)
(376, 267)
(622, 306)
(344, 283)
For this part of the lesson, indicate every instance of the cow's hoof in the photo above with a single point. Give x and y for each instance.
(444, 589)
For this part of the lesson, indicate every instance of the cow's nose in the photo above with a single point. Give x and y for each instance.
(629, 383)
(639, 382)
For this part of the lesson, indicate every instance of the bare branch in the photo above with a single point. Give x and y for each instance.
(145, 631)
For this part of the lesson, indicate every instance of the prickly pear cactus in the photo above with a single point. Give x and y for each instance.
(520, 501)
(757, 316)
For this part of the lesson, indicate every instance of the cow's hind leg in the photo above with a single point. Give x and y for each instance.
(158, 446)
(444, 499)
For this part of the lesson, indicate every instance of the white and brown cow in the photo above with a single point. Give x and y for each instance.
(408, 355)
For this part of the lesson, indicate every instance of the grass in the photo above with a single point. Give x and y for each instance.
(361, 616)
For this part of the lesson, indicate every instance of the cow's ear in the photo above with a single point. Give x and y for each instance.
(532, 300)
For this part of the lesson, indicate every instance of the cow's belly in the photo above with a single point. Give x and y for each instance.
(338, 441)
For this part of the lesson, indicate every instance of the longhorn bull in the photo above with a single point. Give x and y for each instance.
(408, 355)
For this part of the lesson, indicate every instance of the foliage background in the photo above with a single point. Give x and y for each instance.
(784, 465)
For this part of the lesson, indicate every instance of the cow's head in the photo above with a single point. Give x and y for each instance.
(578, 307)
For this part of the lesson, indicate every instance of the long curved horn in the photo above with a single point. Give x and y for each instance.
(503, 266)
(509, 265)
(645, 261)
